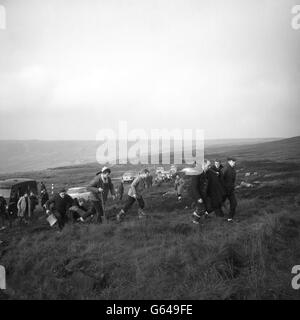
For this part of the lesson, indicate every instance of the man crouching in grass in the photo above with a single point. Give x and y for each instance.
(135, 194)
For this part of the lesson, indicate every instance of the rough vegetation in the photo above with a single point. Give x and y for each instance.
(165, 256)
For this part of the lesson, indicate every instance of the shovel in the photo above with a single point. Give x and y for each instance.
(103, 209)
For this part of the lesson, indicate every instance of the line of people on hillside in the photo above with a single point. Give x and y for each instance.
(64, 207)
(211, 189)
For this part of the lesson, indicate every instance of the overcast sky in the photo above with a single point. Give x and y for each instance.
(69, 68)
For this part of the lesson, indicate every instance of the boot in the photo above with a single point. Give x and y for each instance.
(141, 214)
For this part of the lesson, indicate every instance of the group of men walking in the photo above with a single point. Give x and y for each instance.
(62, 205)
(213, 187)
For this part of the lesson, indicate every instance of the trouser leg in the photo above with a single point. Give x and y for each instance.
(10, 219)
(63, 221)
(233, 204)
(2, 220)
(32, 214)
(130, 201)
(91, 211)
(97, 205)
(219, 212)
(60, 220)
(73, 216)
(141, 203)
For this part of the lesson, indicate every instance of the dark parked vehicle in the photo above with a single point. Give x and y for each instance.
(79, 192)
(128, 177)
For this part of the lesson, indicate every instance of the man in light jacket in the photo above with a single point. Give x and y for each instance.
(99, 187)
(135, 194)
(24, 208)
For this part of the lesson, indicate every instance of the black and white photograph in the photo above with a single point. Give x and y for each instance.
(149, 151)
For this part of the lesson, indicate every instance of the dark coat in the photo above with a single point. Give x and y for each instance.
(2, 205)
(97, 183)
(59, 204)
(149, 181)
(218, 170)
(208, 187)
(215, 189)
(33, 202)
(43, 187)
(84, 210)
(44, 198)
(121, 188)
(229, 177)
(199, 189)
(199, 186)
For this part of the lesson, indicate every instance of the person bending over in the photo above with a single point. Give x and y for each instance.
(135, 194)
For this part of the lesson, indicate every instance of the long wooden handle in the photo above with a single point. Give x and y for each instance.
(103, 208)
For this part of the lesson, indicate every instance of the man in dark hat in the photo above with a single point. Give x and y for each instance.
(229, 177)
(59, 204)
(99, 187)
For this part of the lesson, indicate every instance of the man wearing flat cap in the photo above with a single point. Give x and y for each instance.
(229, 177)
(99, 187)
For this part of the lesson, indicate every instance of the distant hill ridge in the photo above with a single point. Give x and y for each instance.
(22, 156)
(279, 150)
